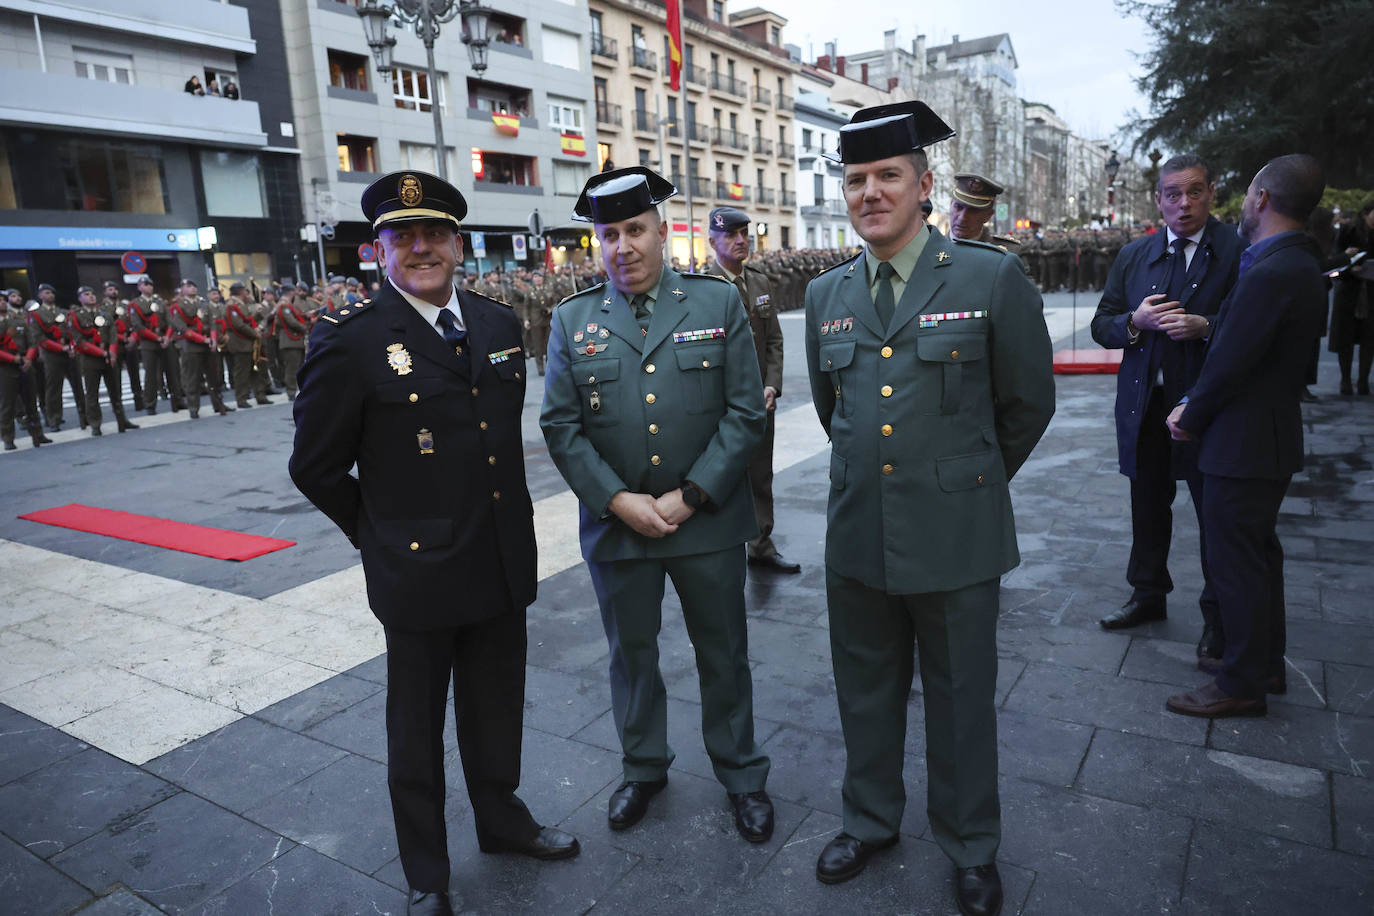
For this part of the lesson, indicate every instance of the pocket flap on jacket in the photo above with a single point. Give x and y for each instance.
(835, 356)
(951, 348)
(702, 356)
(967, 472)
(596, 371)
(414, 533)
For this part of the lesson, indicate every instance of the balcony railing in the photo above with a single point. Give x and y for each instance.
(763, 147)
(697, 133)
(723, 192)
(762, 96)
(726, 136)
(785, 102)
(767, 196)
(605, 47)
(786, 151)
(608, 113)
(787, 198)
(643, 57)
(643, 120)
(721, 82)
(700, 187)
(690, 72)
(825, 208)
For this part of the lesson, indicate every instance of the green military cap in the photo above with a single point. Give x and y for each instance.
(976, 191)
(409, 196)
(884, 131)
(84, 289)
(237, 285)
(609, 197)
(47, 286)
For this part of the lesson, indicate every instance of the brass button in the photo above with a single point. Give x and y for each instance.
(482, 425)
(706, 364)
(495, 494)
(887, 391)
(653, 429)
(651, 368)
(517, 375)
(491, 460)
(888, 469)
(344, 312)
(887, 352)
(414, 397)
(887, 429)
(474, 391)
(414, 545)
(980, 478)
(953, 354)
(829, 364)
(591, 380)
(655, 461)
(649, 398)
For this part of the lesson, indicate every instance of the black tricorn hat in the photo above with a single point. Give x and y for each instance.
(884, 131)
(410, 196)
(726, 219)
(609, 197)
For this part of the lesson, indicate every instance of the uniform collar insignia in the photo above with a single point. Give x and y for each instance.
(942, 256)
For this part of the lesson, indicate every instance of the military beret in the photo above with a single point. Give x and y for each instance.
(187, 281)
(303, 285)
(111, 283)
(609, 197)
(884, 131)
(47, 286)
(84, 289)
(352, 281)
(727, 219)
(976, 191)
(316, 289)
(145, 279)
(409, 196)
(237, 284)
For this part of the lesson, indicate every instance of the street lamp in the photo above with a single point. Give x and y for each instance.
(1113, 167)
(426, 16)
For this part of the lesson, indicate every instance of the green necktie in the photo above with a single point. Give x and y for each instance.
(640, 304)
(884, 302)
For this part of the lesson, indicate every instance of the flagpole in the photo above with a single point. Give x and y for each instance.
(663, 161)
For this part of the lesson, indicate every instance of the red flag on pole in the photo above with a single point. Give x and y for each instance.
(674, 44)
(548, 257)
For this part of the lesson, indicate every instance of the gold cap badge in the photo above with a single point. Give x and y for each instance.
(410, 191)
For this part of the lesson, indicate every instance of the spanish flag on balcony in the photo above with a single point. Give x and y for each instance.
(507, 124)
(674, 25)
(736, 191)
(573, 144)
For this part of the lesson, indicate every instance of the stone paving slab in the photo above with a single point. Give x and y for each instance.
(248, 703)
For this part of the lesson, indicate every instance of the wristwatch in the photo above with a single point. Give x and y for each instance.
(692, 496)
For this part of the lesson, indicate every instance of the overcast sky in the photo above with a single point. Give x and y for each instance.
(1075, 55)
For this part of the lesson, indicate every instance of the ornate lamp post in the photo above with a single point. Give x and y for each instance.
(1113, 166)
(426, 16)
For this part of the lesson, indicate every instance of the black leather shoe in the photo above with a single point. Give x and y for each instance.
(1209, 645)
(127, 425)
(1133, 613)
(550, 843)
(266, 401)
(244, 405)
(630, 802)
(95, 430)
(428, 903)
(753, 815)
(845, 856)
(978, 890)
(1362, 386)
(776, 563)
(10, 446)
(1307, 395)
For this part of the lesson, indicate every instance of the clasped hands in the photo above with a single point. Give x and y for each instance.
(653, 518)
(1154, 314)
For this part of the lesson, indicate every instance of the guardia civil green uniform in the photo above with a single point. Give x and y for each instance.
(648, 405)
(930, 414)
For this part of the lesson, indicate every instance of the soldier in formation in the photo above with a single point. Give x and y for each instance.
(94, 340)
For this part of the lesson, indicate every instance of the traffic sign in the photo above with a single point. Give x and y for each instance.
(366, 252)
(536, 223)
(133, 263)
(327, 232)
(479, 245)
(518, 243)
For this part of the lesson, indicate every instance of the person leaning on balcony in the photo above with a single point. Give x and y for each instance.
(193, 86)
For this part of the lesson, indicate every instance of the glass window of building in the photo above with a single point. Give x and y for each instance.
(348, 71)
(562, 49)
(112, 176)
(565, 115)
(357, 154)
(420, 156)
(569, 177)
(233, 184)
(103, 65)
(8, 199)
(410, 88)
(504, 168)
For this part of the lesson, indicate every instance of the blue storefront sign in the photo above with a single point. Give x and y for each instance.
(85, 238)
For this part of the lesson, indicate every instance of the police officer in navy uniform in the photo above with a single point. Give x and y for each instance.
(652, 408)
(728, 233)
(931, 371)
(422, 387)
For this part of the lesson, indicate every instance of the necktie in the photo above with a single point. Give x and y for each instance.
(640, 304)
(1178, 270)
(885, 303)
(453, 335)
(743, 291)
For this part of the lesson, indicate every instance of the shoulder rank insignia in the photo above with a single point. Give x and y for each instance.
(398, 358)
(679, 293)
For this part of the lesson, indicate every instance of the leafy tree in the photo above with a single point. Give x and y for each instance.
(1242, 81)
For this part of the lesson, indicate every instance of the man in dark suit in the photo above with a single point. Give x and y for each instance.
(729, 238)
(652, 407)
(423, 387)
(1157, 307)
(931, 371)
(1245, 411)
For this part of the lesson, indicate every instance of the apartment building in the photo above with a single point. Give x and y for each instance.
(726, 138)
(519, 136)
(104, 153)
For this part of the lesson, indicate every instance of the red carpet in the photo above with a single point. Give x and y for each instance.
(1087, 362)
(159, 532)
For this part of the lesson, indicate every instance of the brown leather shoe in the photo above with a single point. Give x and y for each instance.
(1211, 702)
(1274, 683)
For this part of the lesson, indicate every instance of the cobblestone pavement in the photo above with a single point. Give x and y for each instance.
(181, 734)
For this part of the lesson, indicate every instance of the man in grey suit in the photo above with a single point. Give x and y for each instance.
(652, 408)
(930, 368)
